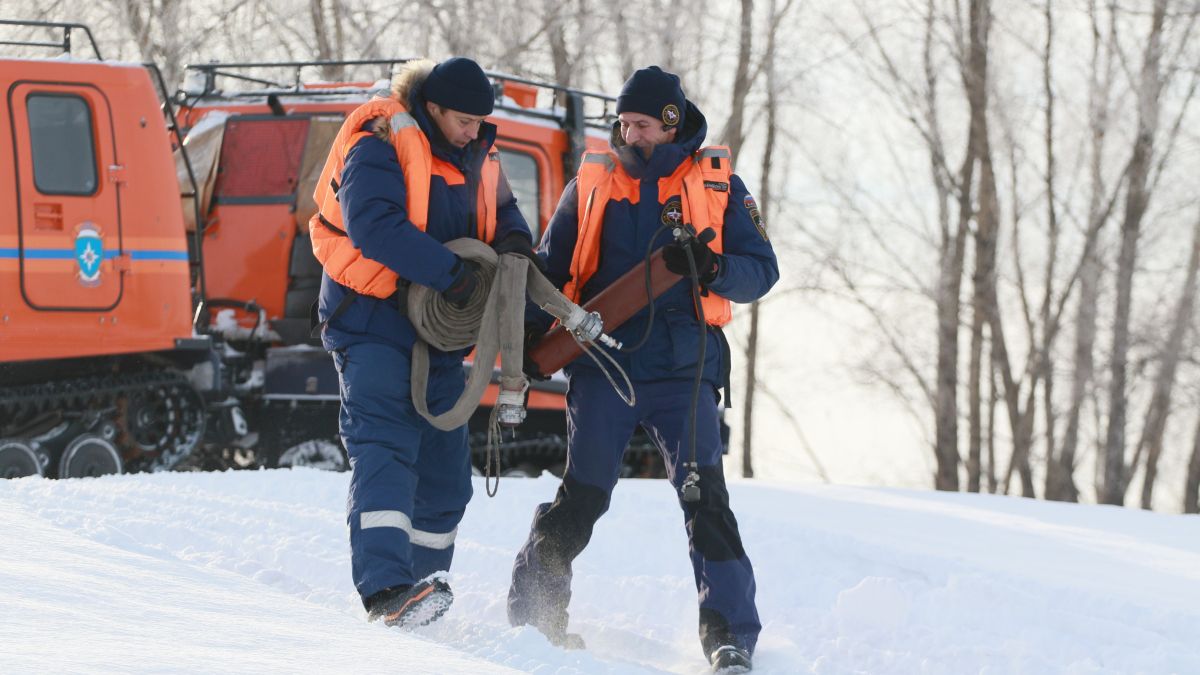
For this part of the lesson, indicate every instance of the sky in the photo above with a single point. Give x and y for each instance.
(250, 572)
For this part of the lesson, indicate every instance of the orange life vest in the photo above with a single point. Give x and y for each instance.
(343, 262)
(704, 186)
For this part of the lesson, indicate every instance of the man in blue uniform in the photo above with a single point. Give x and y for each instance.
(656, 179)
(410, 482)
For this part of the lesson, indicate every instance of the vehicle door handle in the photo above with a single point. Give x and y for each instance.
(47, 216)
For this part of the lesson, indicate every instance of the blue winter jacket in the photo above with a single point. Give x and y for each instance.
(747, 271)
(373, 200)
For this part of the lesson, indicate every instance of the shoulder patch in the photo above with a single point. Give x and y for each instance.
(755, 216)
(716, 185)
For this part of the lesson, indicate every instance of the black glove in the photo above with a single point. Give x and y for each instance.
(707, 262)
(533, 335)
(465, 280)
(517, 242)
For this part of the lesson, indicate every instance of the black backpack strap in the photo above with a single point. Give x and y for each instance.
(726, 365)
(332, 228)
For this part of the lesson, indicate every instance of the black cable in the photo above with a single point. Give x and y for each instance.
(690, 488)
(695, 279)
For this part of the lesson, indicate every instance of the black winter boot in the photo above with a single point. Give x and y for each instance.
(561, 638)
(730, 659)
(410, 606)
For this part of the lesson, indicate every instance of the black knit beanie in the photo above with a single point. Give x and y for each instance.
(459, 84)
(654, 92)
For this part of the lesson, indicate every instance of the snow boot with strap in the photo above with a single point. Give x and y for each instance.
(411, 606)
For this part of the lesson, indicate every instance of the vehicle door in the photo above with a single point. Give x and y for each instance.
(69, 226)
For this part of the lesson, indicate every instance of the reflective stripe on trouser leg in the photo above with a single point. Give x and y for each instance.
(397, 519)
(724, 576)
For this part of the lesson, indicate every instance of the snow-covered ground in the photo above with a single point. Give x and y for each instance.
(250, 573)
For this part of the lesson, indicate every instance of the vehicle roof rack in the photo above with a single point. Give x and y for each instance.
(200, 79)
(566, 98)
(64, 44)
(201, 82)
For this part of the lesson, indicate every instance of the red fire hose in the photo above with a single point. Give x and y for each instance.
(616, 304)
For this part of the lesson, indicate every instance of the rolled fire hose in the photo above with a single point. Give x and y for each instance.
(493, 320)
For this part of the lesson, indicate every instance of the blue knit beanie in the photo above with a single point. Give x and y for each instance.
(654, 92)
(459, 84)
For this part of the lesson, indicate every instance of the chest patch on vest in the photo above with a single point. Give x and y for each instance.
(755, 216)
(716, 185)
(672, 213)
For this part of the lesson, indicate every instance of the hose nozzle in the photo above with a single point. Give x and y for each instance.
(584, 325)
(510, 406)
(588, 327)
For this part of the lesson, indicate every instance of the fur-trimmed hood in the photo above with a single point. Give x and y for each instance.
(408, 81)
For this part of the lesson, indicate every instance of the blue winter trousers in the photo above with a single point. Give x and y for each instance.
(600, 425)
(409, 482)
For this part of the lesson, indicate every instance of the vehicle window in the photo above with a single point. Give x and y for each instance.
(260, 159)
(521, 169)
(64, 151)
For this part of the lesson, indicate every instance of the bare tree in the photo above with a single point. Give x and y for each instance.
(564, 61)
(622, 33)
(163, 46)
(329, 36)
(987, 219)
(1191, 488)
(1060, 466)
(952, 257)
(1048, 336)
(986, 308)
(766, 208)
(1151, 441)
(1137, 197)
(735, 133)
(974, 76)
(919, 105)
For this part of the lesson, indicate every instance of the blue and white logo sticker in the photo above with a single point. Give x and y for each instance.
(89, 253)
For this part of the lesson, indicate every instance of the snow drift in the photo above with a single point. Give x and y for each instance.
(250, 572)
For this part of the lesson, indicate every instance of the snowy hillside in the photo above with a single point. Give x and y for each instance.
(250, 572)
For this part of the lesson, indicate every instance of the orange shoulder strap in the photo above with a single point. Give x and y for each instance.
(593, 188)
(485, 201)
